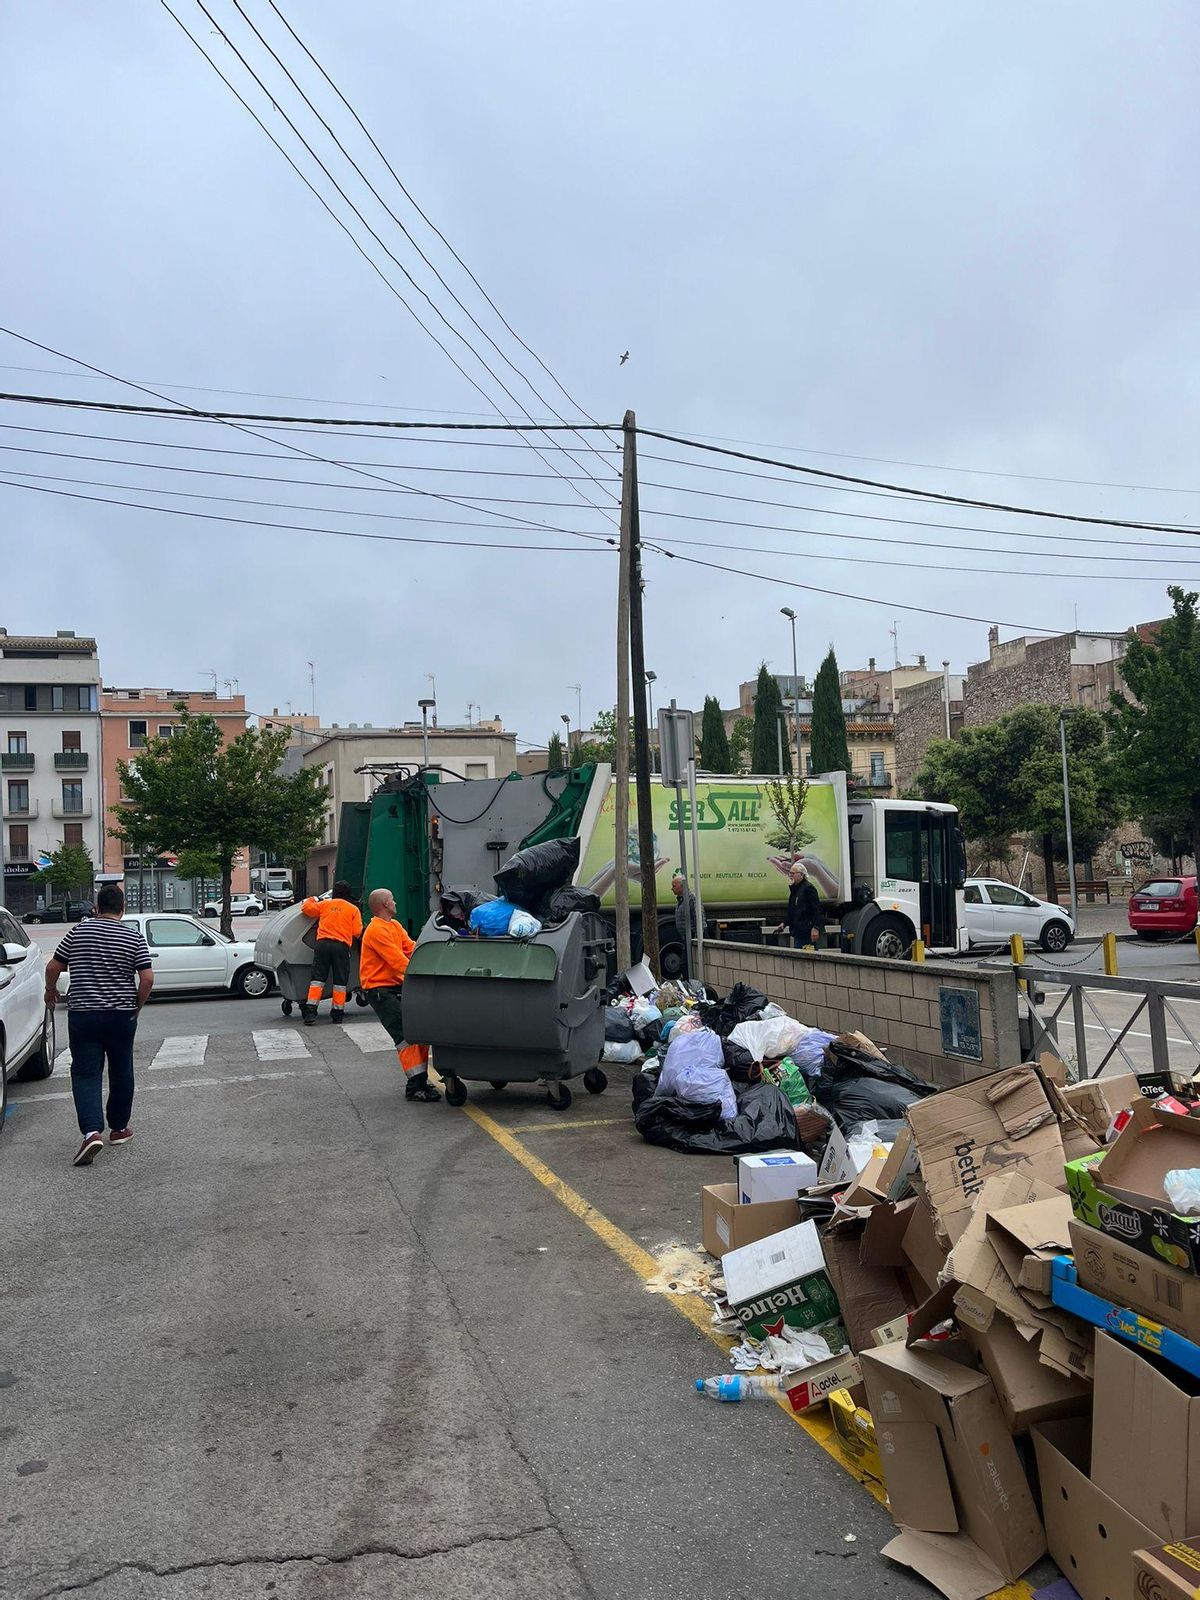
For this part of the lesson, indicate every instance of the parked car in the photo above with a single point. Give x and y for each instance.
(65, 911)
(187, 955)
(26, 1027)
(1163, 906)
(994, 910)
(280, 894)
(240, 905)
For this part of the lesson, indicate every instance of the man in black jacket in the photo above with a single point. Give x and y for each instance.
(803, 918)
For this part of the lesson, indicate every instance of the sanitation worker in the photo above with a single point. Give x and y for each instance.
(382, 963)
(338, 925)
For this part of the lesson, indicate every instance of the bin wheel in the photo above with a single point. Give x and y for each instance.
(595, 1081)
(456, 1092)
(286, 1007)
(498, 1083)
(360, 998)
(559, 1096)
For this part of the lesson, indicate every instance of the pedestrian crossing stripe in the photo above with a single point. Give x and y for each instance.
(278, 1044)
(270, 1044)
(180, 1050)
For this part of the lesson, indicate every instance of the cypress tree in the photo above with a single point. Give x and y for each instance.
(714, 742)
(764, 748)
(830, 747)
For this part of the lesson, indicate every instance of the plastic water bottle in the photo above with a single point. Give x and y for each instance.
(736, 1386)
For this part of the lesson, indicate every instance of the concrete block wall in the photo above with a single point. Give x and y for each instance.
(895, 1003)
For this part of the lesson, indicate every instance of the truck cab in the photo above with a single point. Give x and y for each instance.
(907, 875)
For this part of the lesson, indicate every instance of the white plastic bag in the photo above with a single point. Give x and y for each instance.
(624, 1054)
(695, 1070)
(1182, 1189)
(863, 1142)
(523, 926)
(770, 1038)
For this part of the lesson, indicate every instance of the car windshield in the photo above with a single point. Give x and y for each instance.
(1164, 888)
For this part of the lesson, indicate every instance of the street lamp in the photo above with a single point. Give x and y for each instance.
(786, 611)
(565, 719)
(651, 680)
(1062, 734)
(426, 706)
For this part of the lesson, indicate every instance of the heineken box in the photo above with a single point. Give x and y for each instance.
(1154, 1230)
(782, 1279)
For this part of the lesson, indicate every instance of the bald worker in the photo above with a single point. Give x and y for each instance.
(382, 963)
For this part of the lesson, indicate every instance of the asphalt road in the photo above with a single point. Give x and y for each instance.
(300, 1339)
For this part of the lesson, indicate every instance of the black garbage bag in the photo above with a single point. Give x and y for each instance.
(739, 1005)
(567, 899)
(456, 904)
(618, 1028)
(645, 1083)
(856, 1087)
(530, 877)
(764, 1121)
(739, 1063)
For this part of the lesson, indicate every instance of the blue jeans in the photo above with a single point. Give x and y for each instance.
(97, 1036)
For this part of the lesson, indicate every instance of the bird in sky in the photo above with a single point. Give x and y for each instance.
(623, 359)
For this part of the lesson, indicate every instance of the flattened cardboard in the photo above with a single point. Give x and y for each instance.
(924, 1254)
(1169, 1572)
(1026, 1238)
(1146, 1438)
(1170, 1295)
(728, 1225)
(996, 1516)
(1091, 1537)
(901, 1165)
(1096, 1101)
(974, 1263)
(1028, 1390)
(883, 1234)
(867, 1295)
(955, 1566)
(1147, 1148)
(966, 1135)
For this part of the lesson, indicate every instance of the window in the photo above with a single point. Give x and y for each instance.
(878, 769)
(477, 769)
(31, 697)
(72, 741)
(137, 735)
(11, 931)
(72, 794)
(73, 833)
(18, 744)
(163, 933)
(56, 698)
(1163, 888)
(165, 730)
(902, 845)
(18, 842)
(972, 895)
(18, 794)
(1003, 894)
(323, 874)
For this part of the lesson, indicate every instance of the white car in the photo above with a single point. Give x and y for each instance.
(240, 905)
(26, 1027)
(994, 910)
(187, 955)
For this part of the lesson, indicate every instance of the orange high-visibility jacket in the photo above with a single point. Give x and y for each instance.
(383, 959)
(336, 919)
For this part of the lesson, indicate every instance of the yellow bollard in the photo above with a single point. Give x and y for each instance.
(918, 950)
(1198, 941)
(1016, 945)
(1109, 945)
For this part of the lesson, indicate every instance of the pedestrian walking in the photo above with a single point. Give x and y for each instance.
(803, 918)
(685, 920)
(111, 980)
(338, 925)
(382, 963)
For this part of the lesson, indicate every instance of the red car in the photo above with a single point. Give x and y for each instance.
(1164, 905)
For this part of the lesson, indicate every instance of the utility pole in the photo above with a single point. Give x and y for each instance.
(786, 611)
(641, 727)
(1062, 734)
(621, 756)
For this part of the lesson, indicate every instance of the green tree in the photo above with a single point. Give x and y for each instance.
(714, 742)
(830, 747)
(740, 742)
(70, 868)
(1156, 735)
(786, 797)
(603, 746)
(554, 754)
(765, 745)
(197, 796)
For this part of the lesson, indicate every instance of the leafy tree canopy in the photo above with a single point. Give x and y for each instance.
(765, 744)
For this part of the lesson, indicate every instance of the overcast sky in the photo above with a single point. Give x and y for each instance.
(958, 235)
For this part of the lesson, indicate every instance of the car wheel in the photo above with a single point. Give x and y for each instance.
(1056, 936)
(209, 912)
(252, 983)
(41, 1064)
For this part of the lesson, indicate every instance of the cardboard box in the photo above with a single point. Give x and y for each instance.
(975, 1264)
(778, 1175)
(924, 1255)
(781, 1279)
(964, 1136)
(1169, 1572)
(1138, 1282)
(1091, 1537)
(855, 1432)
(814, 1385)
(1146, 1438)
(1120, 1191)
(951, 1468)
(1026, 1239)
(728, 1225)
(868, 1295)
(900, 1167)
(1028, 1390)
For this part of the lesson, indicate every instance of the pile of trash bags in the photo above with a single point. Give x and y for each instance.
(535, 889)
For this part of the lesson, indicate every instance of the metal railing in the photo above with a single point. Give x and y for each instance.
(71, 813)
(70, 760)
(1152, 1001)
(17, 761)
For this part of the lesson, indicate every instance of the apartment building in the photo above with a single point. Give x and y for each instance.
(50, 772)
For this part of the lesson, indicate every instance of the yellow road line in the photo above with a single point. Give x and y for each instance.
(690, 1306)
(566, 1127)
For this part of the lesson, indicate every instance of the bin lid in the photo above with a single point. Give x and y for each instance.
(483, 958)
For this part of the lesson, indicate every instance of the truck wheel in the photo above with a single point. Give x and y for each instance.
(887, 939)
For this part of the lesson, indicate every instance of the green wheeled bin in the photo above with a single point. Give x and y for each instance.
(507, 1010)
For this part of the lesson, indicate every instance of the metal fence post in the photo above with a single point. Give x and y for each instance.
(1160, 1051)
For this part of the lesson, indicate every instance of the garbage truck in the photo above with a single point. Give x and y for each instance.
(888, 871)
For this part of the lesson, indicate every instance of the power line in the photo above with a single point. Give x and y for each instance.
(268, 455)
(906, 489)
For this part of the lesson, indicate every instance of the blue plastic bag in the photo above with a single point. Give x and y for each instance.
(492, 918)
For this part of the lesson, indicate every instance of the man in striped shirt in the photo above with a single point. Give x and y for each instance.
(111, 980)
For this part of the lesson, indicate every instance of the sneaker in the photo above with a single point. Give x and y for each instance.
(421, 1091)
(88, 1150)
(336, 1016)
(120, 1136)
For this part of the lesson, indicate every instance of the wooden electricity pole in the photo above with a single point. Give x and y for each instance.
(621, 756)
(641, 729)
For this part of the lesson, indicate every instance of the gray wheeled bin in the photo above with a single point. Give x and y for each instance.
(511, 1010)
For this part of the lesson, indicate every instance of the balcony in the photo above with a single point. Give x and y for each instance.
(70, 760)
(63, 813)
(25, 813)
(16, 761)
